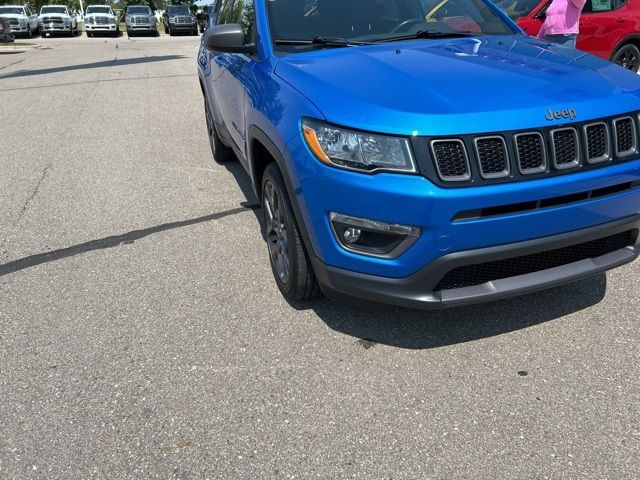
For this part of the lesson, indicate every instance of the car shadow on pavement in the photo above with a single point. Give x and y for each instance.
(416, 329)
(116, 62)
(244, 182)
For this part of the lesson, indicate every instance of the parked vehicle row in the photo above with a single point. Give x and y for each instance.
(98, 19)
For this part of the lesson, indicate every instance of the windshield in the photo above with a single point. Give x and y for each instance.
(376, 20)
(53, 10)
(179, 10)
(138, 10)
(98, 10)
(517, 8)
(13, 10)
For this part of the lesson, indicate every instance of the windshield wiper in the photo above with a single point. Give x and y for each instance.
(426, 34)
(322, 42)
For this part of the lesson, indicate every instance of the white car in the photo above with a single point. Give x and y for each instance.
(21, 19)
(57, 19)
(100, 18)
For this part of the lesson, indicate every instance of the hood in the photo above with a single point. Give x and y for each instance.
(459, 86)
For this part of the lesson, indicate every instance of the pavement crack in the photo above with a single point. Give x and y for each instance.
(26, 204)
(14, 63)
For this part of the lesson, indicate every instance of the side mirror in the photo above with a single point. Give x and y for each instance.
(227, 38)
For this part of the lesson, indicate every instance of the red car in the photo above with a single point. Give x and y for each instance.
(609, 29)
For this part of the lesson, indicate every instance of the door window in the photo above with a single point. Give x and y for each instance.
(598, 6)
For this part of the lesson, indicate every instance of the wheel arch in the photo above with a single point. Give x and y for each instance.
(633, 39)
(262, 152)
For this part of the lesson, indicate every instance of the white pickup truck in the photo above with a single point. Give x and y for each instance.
(100, 18)
(57, 19)
(20, 18)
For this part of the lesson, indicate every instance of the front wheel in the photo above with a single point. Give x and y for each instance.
(289, 261)
(627, 56)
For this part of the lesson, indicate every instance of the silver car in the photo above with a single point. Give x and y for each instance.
(140, 18)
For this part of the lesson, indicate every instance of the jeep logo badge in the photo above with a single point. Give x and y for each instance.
(558, 114)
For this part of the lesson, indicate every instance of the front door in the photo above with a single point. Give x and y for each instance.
(229, 71)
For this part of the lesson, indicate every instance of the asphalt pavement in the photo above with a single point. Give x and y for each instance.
(142, 334)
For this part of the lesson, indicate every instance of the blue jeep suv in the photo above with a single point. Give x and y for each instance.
(422, 153)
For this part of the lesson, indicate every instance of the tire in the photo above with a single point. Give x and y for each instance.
(221, 153)
(29, 32)
(128, 32)
(194, 31)
(170, 32)
(289, 261)
(627, 56)
(89, 34)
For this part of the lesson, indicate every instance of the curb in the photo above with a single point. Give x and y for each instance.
(19, 46)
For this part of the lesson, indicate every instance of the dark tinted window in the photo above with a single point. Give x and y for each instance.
(178, 10)
(138, 10)
(598, 6)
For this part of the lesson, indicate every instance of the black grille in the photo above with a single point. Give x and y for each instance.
(624, 135)
(102, 20)
(565, 147)
(451, 159)
(52, 20)
(597, 142)
(492, 155)
(530, 150)
(480, 273)
(13, 22)
(141, 20)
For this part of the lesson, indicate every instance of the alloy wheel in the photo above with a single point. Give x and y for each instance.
(277, 235)
(629, 59)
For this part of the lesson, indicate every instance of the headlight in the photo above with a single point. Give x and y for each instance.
(22, 22)
(357, 150)
(112, 21)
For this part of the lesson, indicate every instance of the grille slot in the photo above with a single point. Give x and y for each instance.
(625, 135)
(451, 160)
(471, 275)
(530, 153)
(492, 156)
(597, 142)
(564, 146)
(544, 203)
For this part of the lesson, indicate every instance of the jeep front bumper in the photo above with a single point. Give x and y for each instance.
(422, 289)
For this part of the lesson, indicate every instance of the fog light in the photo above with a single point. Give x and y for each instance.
(372, 237)
(352, 235)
